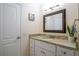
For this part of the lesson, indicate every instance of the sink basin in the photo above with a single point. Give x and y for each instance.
(49, 37)
(45, 37)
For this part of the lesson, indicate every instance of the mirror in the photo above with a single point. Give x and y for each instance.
(55, 22)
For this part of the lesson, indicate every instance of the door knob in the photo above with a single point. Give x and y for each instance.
(18, 37)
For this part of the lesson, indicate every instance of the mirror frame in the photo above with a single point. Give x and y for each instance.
(63, 21)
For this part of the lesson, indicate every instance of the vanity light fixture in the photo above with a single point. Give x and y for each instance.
(52, 8)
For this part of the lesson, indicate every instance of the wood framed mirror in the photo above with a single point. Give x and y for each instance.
(55, 22)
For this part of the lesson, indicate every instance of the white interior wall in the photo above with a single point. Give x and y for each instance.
(29, 27)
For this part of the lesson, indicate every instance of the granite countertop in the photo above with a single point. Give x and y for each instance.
(56, 41)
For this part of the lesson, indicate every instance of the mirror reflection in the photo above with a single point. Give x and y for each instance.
(55, 22)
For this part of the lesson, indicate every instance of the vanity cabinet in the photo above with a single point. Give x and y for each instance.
(40, 48)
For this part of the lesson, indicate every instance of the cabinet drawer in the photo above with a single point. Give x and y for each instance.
(64, 51)
(44, 45)
(40, 52)
(49, 53)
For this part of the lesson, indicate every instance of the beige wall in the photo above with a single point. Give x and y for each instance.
(71, 13)
(29, 27)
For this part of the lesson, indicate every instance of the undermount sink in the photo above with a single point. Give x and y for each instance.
(45, 37)
(50, 37)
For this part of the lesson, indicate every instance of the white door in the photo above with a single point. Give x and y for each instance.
(10, 29)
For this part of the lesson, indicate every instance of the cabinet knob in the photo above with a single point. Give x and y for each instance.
(18, 37)
(64, 52)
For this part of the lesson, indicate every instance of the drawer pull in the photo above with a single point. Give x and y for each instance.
(64, 52)
(43, 52)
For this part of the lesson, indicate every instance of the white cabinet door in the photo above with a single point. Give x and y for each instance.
(1, 51)
(64, 51)
(10, 28)
(76, 53)
(32, 47)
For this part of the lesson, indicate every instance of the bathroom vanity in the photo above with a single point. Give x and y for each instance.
(51, 45)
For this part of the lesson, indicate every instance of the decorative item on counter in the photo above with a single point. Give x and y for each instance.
(72, 30)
